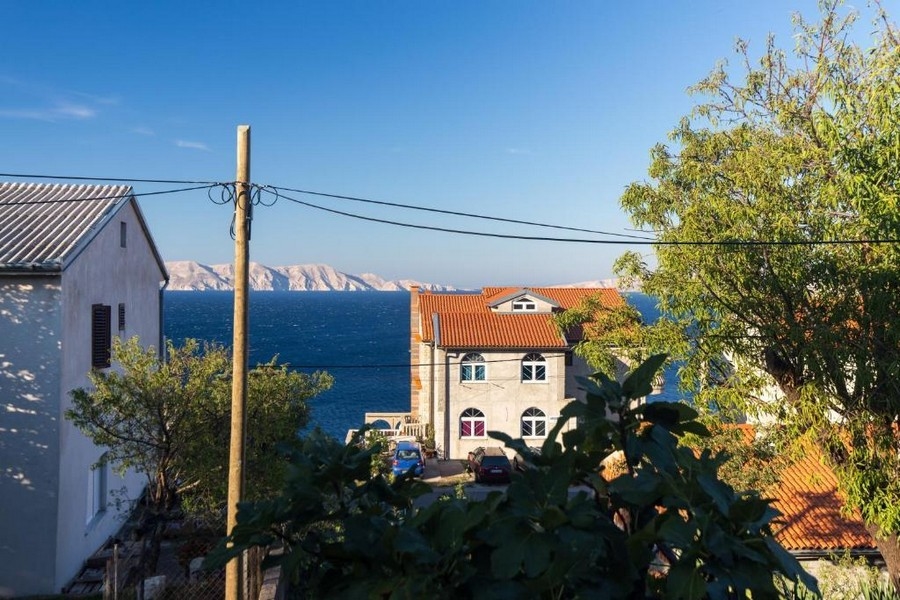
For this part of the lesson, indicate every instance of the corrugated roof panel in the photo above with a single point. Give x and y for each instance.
(42, 223)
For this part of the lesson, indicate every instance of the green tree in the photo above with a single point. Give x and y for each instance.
(170, 420)
(775, 208)
(611, 335)
(662, 526)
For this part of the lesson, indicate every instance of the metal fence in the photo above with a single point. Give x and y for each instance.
(121, 571)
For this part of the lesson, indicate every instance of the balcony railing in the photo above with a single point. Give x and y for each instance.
(397, 425)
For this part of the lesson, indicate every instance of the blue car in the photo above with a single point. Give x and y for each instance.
(408, 455)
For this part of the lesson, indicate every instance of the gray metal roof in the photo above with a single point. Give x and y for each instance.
(44, 225)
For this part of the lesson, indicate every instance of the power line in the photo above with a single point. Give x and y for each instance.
(393, 365)
(408, 365)
(455, 213)
(113, 197)
(633, 240)
(639, 242)
(118, 179)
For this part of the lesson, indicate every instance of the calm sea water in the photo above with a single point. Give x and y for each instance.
(361, 338)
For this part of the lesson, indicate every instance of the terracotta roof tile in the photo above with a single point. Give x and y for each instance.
(807, 497)
(811, 518)
(565, 297)
(488, 330)
(493, 330)
(447, 303)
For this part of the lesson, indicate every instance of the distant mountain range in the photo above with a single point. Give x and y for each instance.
(191, 275)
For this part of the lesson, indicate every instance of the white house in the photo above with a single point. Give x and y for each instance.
(493, 361)
(77, 266)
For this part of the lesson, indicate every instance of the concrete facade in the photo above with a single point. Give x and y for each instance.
(55, 508)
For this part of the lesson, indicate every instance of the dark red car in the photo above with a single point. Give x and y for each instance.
(489, 465)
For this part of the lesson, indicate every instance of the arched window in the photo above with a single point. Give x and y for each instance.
(472, 367)
(534, 423)
(472, 423)
(534, 367)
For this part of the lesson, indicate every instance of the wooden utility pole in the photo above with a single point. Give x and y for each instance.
(234, 580)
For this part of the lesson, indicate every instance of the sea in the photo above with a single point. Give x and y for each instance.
(360, 338)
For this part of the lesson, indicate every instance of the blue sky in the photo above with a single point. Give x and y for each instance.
(539, 111)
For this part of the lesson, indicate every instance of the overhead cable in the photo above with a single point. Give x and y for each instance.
(118, 179)
(639, 242)
(633, 240)
(456, 213)
(113, 197)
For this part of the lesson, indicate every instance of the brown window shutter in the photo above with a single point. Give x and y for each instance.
(121, 316)
(101, 315)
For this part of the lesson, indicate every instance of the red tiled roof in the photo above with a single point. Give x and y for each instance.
(466, 320)
(565, 297)
(487, 330)
(808, 499)
(447, 303)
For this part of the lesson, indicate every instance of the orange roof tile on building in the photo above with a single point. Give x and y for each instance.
(461, 330)
(811, 518)
(429, 304)
(487, 331)
(565, 297)
(808, 498)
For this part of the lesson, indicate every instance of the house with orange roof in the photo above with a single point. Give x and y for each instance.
(812, 524)
(493, 361)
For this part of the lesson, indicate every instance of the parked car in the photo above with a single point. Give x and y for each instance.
(408, 455)
(489, 465)
(522, 461)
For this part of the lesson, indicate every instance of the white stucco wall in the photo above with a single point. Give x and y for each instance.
(30, 322)
(105, 273)
(503, 397)
(45, 352)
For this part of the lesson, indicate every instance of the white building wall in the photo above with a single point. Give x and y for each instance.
(30, 322)
(105, 273)
(503, 397)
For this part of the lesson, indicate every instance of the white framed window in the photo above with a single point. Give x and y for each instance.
(472, 423)
(534, 367)
(534, 423)
(472, 368)
(524, 305)
(97, 489)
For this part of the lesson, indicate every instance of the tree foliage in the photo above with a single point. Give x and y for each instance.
(661, 526)
(775, 206)
(610, 334)
(170, 420)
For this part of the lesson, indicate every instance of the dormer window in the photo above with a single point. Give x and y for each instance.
(524, 305)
